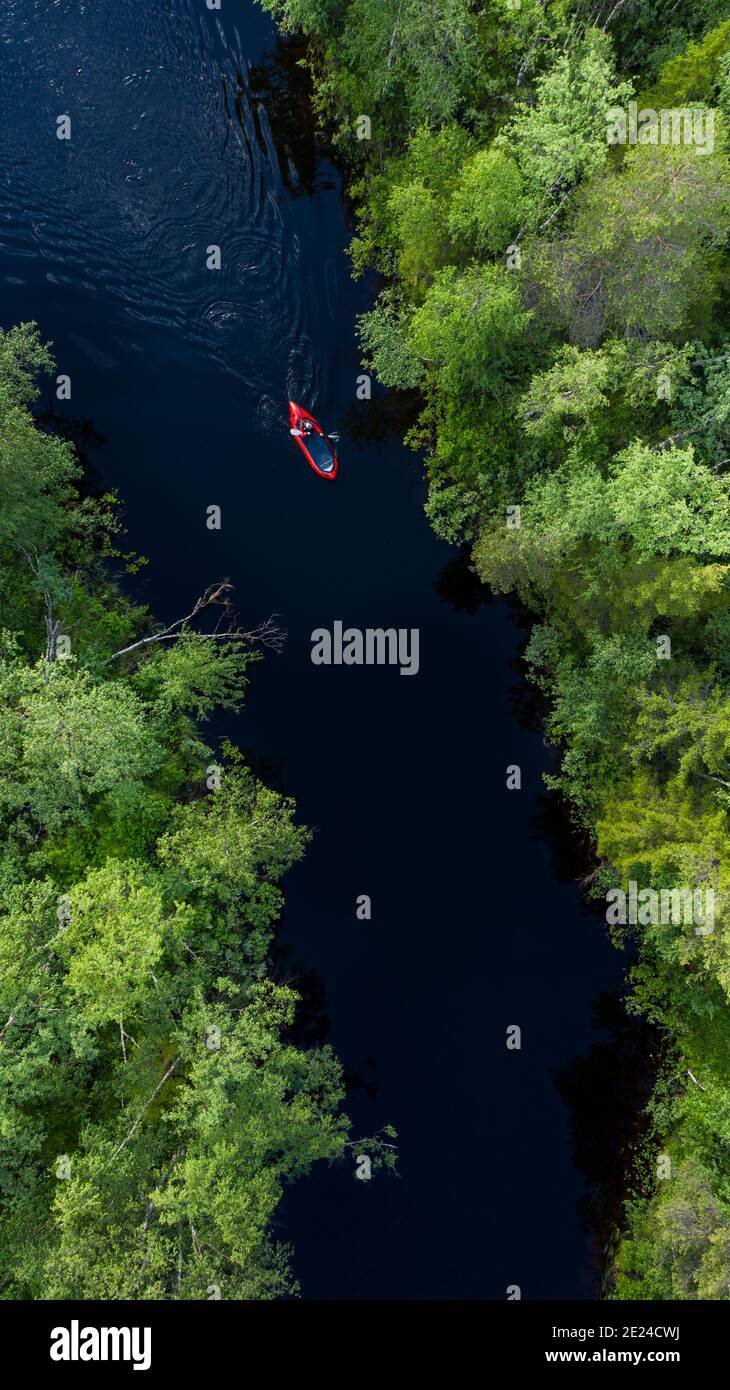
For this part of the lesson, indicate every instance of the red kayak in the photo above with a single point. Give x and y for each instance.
(313, 442)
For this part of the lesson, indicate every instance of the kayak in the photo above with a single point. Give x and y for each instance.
(314, 444)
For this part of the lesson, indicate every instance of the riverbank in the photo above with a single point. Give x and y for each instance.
(556, 299)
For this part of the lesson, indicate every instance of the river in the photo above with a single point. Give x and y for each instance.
(191, 129)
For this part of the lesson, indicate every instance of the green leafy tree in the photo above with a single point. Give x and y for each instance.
(469, 331)
(638, 261)
(486, 208)
(561, 139)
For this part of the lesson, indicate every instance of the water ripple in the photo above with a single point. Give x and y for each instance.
(169, 155)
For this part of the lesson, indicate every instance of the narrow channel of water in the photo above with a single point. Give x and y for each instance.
(191, 129)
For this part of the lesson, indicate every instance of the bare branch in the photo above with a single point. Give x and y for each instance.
(618, 6)
(53, 626)
(391, 46)
(709, 361)
(683, 434)
(146, 1105)
(268, 632)
(124, 1035)
(539, 38)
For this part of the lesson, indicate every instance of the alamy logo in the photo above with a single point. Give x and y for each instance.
(675, 125)
(647, 907)
(77, 1343)
(376, 646)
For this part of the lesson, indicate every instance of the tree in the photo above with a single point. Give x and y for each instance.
(693, 75)
(408, 62)
(384, 339)
(411, 199)
(65, 742)
(589, 404)
(486, 208)
(119, 936)
(421, 234)
(470, 331)
(175, 1201)
(605, 550)
(561, 139)
(638, 261)
(37, 472)
(679, 1243)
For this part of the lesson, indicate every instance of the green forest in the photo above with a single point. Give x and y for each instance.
(555, 301)
(552, 310)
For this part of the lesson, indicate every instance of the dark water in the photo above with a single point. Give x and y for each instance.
(191, 129)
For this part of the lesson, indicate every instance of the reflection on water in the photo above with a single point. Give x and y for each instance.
(281, 81)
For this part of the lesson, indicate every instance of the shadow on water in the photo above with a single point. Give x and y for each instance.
(459, 587)
(311, 1025)
(281, 82)
(86, 440)
(606, 1091)
(573, 853)
(391, 414)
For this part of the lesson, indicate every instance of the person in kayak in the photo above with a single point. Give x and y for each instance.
(307, 428)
